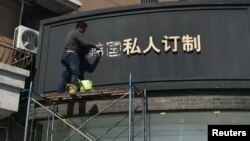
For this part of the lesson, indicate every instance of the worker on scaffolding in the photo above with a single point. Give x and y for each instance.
(70, 58)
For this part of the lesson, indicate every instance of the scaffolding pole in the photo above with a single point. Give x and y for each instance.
(63, 120)
(32, 121)
(53, 122)
(95, 116)
(131, 114)
(7, 130)
(144, 115)
(48, 126)
(27, 113)
(129, 110)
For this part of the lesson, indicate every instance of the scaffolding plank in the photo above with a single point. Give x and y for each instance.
(54, 96)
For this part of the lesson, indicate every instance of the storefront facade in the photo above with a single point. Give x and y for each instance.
(190, 57)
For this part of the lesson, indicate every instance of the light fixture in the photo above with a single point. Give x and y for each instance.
(163, 113)
(217, 112)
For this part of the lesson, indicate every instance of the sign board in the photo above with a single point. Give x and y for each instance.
(196, 46)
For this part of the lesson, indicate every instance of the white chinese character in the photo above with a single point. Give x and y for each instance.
(191, 43)
(197, 43)
(151, 46)
(165, 42)
(113, 48)
(93, 52)
(100, 52)
(131, 48)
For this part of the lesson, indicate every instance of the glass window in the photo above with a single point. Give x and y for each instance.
(179, 126)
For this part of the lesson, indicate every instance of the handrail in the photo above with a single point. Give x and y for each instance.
(72, 133)
(80, 129)
(15, 57)
(116, 124)
(73, 127)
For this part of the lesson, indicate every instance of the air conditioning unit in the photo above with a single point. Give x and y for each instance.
(26, 39)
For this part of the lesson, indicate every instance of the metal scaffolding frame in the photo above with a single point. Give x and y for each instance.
(132, 90)
(5, 127)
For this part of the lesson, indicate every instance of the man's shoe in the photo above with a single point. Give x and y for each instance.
(72, 88)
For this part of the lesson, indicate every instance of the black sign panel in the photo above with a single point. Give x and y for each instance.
(163, 47)
(228, 132)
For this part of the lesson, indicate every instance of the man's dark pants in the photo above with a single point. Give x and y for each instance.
(71, 63)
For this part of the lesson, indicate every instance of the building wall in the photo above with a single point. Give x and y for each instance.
(187, 115)
(12, 8)
(172, 101)
(101, 4)
(9, 17)
(172, 66)
(206, 100)
(166, 0)
(179, 126)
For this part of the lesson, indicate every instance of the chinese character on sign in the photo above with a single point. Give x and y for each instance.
(131, 47)
(93, 52)
(191, 43)
(170, 38)
(113, 48)
(170, 43)
(151, 46)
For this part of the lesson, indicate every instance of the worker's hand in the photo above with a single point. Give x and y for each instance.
(98, 46)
